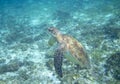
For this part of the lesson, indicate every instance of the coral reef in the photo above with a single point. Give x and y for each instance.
(113, 65)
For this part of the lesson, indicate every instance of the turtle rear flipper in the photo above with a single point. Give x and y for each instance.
(58, 58)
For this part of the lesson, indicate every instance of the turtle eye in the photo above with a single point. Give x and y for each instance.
(54, 31)
(50, 29)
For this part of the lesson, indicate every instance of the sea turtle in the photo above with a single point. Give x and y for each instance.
(69, 47)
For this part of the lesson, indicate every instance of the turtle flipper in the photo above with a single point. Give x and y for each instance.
(58, 58)
(52, 41)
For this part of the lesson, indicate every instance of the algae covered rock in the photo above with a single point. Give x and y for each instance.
(13, 37)
(113, 65)
(27, 40)
(10, 67)
(13, 65)
(23, 74)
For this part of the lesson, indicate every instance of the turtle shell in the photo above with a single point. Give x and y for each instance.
(77, 53)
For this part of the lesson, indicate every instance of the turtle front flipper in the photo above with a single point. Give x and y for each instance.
(52, 41)
(58, 58)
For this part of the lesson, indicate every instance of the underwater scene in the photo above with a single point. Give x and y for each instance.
(59, 41)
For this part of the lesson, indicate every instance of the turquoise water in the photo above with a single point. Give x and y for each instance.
(27, 58)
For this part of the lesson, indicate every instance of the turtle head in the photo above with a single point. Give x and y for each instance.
(54, 31)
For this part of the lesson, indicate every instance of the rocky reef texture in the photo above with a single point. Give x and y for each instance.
(113, 65)
(26, 57)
